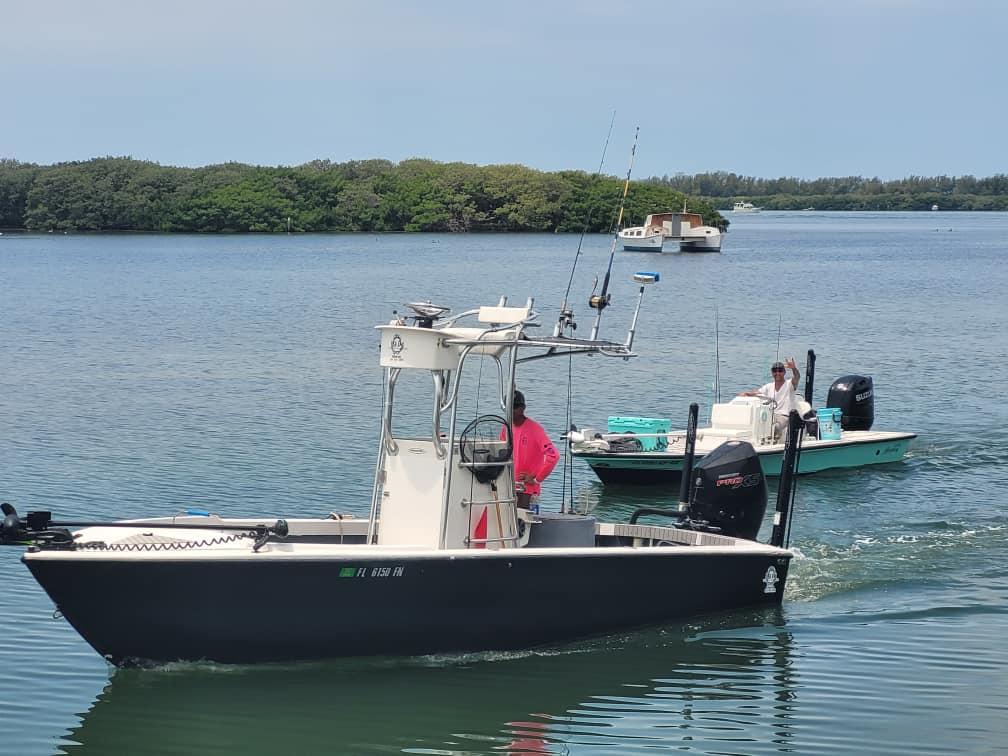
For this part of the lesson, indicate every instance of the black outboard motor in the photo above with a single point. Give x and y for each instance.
(729, 490)
(854, 395)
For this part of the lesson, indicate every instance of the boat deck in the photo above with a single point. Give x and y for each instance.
(340, 540)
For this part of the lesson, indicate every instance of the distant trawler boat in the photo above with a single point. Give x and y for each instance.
(686, 228)
(745, 207)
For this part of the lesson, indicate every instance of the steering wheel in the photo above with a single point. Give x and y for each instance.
(476, 446)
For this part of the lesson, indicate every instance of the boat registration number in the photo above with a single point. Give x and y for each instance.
(371, 572)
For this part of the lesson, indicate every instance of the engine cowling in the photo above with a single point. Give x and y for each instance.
(854, 395)
(729, 490)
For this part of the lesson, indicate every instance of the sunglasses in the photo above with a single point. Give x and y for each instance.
(777, 370)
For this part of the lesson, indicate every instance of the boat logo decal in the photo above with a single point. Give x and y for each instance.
(863, 395)
(397, 347)
(737, 480)
(770, 580)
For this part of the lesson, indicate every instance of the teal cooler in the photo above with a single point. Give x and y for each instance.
(829, 423)
(638, 425)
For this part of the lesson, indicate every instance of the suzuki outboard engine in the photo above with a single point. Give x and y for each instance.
(729, 491)
(854, 395)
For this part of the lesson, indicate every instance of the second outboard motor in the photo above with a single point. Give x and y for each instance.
(854, 395)
(729, 490)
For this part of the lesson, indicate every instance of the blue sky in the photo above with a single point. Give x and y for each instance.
(805, 88)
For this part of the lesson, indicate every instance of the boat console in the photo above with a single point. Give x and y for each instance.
(747, 418)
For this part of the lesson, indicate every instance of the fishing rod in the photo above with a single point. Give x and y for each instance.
(566, 318)
(717, 359)
(566, 321)
(809, 375)
(601, 300)
(780, 317)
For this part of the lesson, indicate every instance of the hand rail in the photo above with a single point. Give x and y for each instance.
(677, 513)
(470, 541)
(488, 502)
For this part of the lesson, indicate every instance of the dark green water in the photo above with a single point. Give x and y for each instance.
(140, 375)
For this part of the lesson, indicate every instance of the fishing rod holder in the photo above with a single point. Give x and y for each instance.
(564, 322)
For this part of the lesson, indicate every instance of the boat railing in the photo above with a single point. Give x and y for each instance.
(487, 502)
(470, 542)
(634, 434)
(501, 311)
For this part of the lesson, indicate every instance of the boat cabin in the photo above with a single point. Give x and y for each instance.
(672, 225)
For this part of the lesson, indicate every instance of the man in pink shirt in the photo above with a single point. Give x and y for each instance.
(534, 453)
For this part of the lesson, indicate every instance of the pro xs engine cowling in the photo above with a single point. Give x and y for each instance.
(729, 491)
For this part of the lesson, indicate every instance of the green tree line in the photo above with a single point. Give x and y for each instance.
(122, 194)
(722, 189)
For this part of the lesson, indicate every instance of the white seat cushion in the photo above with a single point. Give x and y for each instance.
(724, 433)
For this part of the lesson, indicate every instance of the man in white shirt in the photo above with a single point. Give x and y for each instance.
(782, 392)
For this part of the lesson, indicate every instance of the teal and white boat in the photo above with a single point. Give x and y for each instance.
(645, 450)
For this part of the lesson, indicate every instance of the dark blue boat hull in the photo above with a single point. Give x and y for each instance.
(256, 610)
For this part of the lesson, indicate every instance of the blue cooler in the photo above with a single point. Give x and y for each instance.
(829, 423)
(635, 425)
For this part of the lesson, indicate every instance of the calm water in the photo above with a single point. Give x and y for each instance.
(143, 374)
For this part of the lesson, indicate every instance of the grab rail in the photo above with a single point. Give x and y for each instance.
(677, 513)
(488, 502)
(470, 541)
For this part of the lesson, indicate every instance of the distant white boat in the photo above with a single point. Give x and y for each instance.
(697, 237)
(646, 450)
(642, 238)
(934, 207)
(745, 207)
(687, 229)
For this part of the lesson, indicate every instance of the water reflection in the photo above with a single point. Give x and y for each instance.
(709, 686)
(617, 502)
